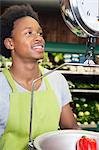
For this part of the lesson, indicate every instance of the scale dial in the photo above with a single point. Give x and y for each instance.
(81, 16)
(86, 13)
(89, 13)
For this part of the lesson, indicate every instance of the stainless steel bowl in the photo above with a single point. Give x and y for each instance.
(63, 139)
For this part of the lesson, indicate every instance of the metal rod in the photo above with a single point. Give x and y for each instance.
(90, 47)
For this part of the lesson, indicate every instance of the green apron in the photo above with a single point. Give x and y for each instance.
(46, 115)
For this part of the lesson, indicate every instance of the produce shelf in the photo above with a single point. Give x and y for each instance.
(84, 91)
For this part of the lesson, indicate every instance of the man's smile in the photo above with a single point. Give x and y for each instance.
(39, 48)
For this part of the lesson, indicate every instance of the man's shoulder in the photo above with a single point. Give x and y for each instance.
(53, 72)
(3, 80)
(55, 75)
(4, 85)
(1, 75)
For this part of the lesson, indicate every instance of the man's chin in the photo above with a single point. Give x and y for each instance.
(40, 59)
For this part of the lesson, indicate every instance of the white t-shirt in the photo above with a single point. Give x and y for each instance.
(57, 82)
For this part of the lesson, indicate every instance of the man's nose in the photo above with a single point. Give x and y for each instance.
(39, 37)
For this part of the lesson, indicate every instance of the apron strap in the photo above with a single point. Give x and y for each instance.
(45, 78)
(10, 79)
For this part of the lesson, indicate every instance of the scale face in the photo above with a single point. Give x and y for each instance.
(85, 16)
(89, 13)
(86, 13)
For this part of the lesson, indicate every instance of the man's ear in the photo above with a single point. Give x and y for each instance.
(8, 42)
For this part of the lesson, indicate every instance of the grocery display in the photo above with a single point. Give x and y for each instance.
(86, 111)
(85, 94)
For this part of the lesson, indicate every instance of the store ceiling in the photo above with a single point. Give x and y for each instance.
(43, 5)
(48, 3)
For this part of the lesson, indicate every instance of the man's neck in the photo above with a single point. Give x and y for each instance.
(25, 74)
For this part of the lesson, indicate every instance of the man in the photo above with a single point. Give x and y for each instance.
(22, 39)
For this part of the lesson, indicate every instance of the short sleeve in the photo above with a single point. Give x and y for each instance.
(4, 103)
(60, 86)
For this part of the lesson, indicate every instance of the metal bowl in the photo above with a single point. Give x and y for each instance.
(63, 139)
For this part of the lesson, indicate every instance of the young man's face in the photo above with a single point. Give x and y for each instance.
(27, 39)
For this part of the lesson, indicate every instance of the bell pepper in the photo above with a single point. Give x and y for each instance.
(85, 143)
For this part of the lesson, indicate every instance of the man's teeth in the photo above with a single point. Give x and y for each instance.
(37, 47)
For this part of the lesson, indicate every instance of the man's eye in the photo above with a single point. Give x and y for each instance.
(28, 33)
(34, 33)
(41, 34)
